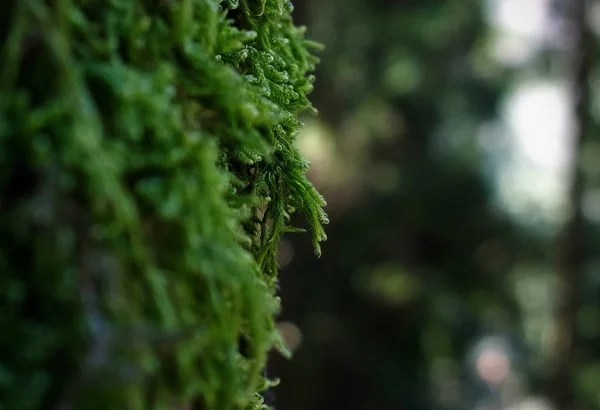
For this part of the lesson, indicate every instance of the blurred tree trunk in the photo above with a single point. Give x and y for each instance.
(571, 241)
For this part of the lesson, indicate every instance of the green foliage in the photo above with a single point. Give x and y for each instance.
(148, 173)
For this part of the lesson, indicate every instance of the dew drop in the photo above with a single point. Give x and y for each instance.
(250, 35)
(289, 7)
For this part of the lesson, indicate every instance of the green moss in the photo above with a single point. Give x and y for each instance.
(148, 173)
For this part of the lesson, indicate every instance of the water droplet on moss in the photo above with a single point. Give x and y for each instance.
(250, 35)
(289, 7)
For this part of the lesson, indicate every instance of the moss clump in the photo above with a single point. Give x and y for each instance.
(148, 173)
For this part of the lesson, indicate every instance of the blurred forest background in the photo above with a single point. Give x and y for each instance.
(460, 263)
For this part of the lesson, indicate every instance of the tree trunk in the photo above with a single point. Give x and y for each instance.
(571, 241)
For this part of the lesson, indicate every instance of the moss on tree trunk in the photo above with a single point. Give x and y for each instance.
(148, 173)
